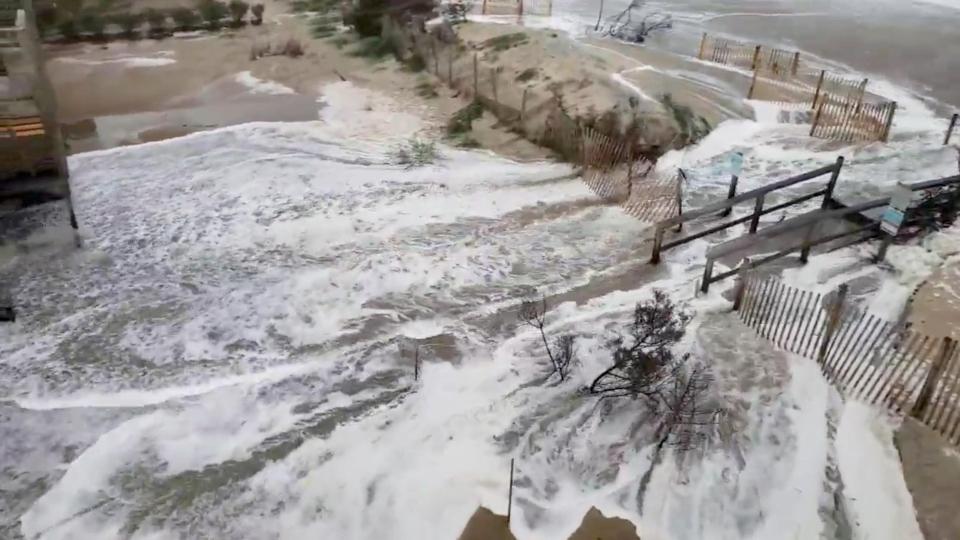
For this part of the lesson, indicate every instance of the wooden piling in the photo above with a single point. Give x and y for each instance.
(833, 320)
(510, 495)
(953, 124)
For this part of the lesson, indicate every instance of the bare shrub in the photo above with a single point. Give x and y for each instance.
(562, 353)
(416, 153)
(292, 48)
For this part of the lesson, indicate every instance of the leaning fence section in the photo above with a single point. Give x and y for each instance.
(864, 356)
(853, 121)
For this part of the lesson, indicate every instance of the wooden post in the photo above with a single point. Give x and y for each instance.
(753, 85)
(483, 9)
(703, 44)
(833, 319)
(816, 95)
(657, 243)
(757, 209)
(523, 107)
(476, 75)
(596, 27)
(756, 59)
(884, 245)
(796, 64)
(493, 84)
(731, 193)
(953, 124)
(416, 363)
(680, 179)
(807, 242)
(886, 130)
(741, 284)
(707, 274)
(832, 184)
(930, 383)
(816, 120)
(510, 495)
(450, 50)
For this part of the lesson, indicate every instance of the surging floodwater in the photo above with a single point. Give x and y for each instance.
(222, 358)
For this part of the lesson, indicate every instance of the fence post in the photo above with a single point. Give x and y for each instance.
(657, 243)
(731, 193)
(833, 319)
(510, 495)
(523, 107)
(757, 209)
(816, 120)
(450, 65)
(796, 64)
(832, 184)
(756, 58)
(703, 44)
(926, 392)
(476, 75)
(707, 274)
(741, 284)
(680, 178)
(886, 129)
(753, 85)
(953, 124)
(816, 95)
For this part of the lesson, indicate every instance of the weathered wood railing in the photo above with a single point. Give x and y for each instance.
(811, 223)
(758, 196)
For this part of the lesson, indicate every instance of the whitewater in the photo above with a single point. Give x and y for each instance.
(222, 359)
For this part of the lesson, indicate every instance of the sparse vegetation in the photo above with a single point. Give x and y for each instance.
(462, 121)
(466, 141)
(129, 23)
(91, 22)
(322, 27)
(374, 48)
(184, 18)
(527, 74)
(257, 11)
(340, 40)
(426, 89)
(506, 41)
(562, 349)
(68, 29)
(692, 127)
(238, 10)
(156, 21)
(212, 12)
(416, 153)
(416, 63)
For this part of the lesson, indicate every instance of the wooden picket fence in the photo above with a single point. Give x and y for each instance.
(517, 7)
(748, 55)
(866, 357)
(850, 122)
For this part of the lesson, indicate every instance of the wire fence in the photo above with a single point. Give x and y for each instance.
(864, 356)
(607, 164)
